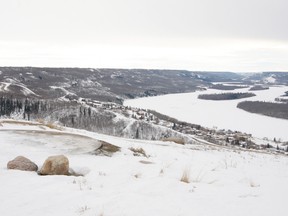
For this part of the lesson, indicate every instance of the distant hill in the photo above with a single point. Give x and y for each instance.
(112, 85)
(115, 85)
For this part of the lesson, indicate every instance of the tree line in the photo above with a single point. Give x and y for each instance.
(225, 96)
(277, 110)
(9, 105)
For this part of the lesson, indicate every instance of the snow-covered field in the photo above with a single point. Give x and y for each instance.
(222, 181)
(221, 114)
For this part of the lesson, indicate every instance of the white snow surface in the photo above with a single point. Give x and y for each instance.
(4, 86)
(222, 181)
(65, 92)
(221, 114)
(270, 79)
(63, 89)
(26, 91)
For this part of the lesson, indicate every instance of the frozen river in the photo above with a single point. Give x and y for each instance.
(221, 114)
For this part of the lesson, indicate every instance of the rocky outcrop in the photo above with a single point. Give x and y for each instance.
(55, 165)
(106, 149)
(22, 163)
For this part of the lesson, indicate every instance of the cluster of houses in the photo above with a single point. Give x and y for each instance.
(216, 136)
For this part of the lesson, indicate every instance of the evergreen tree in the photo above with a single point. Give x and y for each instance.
(174, 126)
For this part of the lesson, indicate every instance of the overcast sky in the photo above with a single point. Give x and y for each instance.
(205, 35)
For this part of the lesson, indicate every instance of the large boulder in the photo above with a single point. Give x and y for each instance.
(22, 163)
(55, 165)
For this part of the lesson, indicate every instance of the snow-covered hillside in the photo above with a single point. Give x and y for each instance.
(222, 181)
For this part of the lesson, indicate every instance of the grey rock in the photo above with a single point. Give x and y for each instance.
(22, 163)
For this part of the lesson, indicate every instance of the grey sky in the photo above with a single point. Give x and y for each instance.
(246, 35)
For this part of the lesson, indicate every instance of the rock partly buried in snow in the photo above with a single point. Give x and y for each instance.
(55, 165)
(106, 149)
(22, 163)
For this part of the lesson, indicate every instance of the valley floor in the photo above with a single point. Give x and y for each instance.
(220, 181)
(220, 114)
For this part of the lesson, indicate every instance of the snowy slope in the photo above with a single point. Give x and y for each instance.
(222, 181)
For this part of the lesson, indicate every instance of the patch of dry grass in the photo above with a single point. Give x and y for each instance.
(138, 152)
(176, 140)
(83, 209)
(52, 125)
(38, 122)
(41, 121)
(19, 122)
(186, 176)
